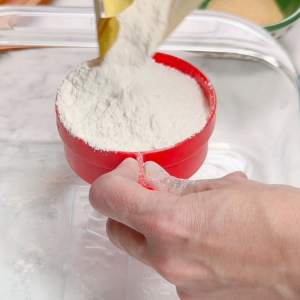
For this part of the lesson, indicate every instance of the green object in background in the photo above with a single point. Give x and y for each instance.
(290, 10)
(205, 3)
(288, 7)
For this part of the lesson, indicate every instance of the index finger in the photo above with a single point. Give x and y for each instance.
(118, 196)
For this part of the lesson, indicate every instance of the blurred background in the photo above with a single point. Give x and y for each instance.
(53, 2)
(290, 41)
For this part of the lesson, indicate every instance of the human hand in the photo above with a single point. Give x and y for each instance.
(228, 238)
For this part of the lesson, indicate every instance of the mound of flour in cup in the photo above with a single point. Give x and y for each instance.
(129, 102)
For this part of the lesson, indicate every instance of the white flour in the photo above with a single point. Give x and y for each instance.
(129, 103)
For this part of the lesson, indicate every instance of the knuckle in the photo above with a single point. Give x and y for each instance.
(163, 229)
(110, 228)
(168, 269)
(100, 185)
(181, 294)
(93, 193)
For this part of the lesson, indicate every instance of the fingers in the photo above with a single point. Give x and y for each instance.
(159, 179)
(118, 195)
(129, 168)
(127, 239)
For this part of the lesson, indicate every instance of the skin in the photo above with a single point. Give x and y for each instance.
(227, 238)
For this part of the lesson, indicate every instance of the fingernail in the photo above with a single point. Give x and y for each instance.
(128, 160)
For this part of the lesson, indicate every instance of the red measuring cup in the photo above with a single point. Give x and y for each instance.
(181, 160)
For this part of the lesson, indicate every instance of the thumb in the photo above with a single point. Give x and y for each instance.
(157, 178)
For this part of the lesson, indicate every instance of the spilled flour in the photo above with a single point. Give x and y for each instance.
(129, 102)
